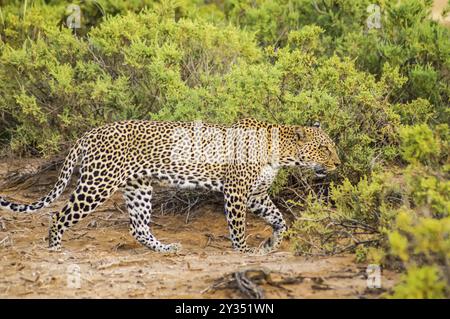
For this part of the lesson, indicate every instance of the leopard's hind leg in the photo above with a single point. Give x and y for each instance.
(84, 200)
(138, 196)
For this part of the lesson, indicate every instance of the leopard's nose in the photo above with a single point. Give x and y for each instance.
(337, 162)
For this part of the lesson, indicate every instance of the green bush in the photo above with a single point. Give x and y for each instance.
(424, 247)
(354, 217)
(132, 66)
(420, 283)
(407, 38)
(401, 216)
(419, 144)
(152, 66)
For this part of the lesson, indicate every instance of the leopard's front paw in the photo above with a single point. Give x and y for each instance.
(247, 250)
(54, 248)
(268, 246)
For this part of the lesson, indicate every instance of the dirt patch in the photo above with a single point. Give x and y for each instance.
(111, 264)
(437, 10)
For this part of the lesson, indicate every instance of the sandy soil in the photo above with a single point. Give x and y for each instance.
(436, 12)
(101, 260)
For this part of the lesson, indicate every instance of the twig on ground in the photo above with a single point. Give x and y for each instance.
(247, 286)
(246, 282)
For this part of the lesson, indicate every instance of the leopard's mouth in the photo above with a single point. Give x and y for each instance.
(320, 171)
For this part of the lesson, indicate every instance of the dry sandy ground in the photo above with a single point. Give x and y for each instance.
(438, 7)
(112, 265)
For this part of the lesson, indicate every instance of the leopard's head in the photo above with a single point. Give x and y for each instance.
(310, 147)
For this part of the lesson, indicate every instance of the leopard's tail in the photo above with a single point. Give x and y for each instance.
(63, 179)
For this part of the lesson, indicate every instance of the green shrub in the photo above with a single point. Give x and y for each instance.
(420, 283)
(419, 144)
(416, 111)
(132, 66)
(401, 216)
(423, 245)
(407, 38)
(153, 66)
(354, 218)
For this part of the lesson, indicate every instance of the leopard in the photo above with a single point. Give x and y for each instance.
(240, 160)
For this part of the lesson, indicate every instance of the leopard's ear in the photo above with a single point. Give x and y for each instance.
(316, 124)
(300, 133)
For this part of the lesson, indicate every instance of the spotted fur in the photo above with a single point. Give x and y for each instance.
(130, 155)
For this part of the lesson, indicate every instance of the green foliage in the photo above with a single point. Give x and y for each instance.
(421, 234)
(132, 66)
(425, 237)
(406, 39)
(354, 217)
(416, 111)
(429, 190)
(427, 175)
(423, 245)
(391, 216)
(420, 283)
(419, 144)
(152, 65)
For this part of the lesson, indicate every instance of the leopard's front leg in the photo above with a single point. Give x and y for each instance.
(236, 197)
(262, 206)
